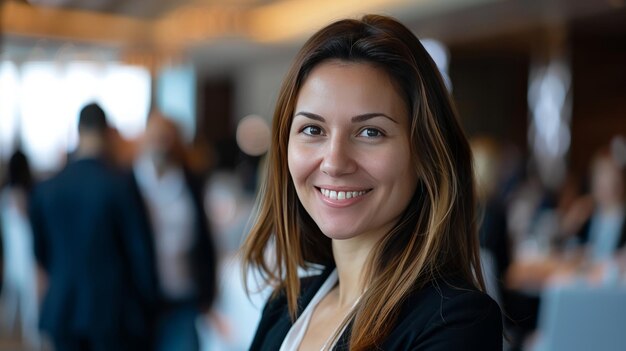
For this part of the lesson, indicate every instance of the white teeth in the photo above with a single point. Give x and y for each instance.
(341, 195)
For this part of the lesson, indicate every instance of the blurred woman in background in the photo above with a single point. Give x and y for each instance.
(185, 256)
(19, 300)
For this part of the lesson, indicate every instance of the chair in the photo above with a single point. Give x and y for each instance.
(582, 318)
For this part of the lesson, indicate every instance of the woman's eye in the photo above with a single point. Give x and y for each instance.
(312, 130)
(371, 133)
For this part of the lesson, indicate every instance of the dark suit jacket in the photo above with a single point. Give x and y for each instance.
(203, 258)
(437, 317)
(88, 240)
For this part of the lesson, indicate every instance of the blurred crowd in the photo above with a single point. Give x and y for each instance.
(133, 245)
(538, 239)
(130, 246)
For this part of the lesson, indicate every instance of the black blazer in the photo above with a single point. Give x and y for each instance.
(88, 239)
(437, 317)
(203, 258)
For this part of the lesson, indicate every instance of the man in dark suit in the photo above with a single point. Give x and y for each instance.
(95, 251)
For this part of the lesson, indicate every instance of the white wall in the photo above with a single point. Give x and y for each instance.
(257, 86)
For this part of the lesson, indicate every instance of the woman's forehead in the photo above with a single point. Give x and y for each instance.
(350, 88)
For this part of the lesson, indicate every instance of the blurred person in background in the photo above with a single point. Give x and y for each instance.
(532, 221)
(574, 206)
(19, 293)
(602, 215)
(94, 250)
(235, 314)
(185, 255)
(584, 244)
(496, 241)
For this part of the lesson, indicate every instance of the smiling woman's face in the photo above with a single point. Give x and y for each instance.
(349, 151)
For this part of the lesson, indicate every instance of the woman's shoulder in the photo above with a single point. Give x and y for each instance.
(454, 296)
(275, 319)
(448, 292)
(448, 314)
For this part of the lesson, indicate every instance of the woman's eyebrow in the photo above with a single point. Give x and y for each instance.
(311, 116)
(366, 116)
(355, 119)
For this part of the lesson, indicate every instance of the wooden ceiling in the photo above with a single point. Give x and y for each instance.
(145, 9)
(172, 27)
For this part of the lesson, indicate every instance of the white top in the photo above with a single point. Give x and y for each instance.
(298, 329)
(19, 260)
(604, 233)
(170, 206)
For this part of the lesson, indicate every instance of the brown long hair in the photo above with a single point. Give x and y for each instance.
(436, 235)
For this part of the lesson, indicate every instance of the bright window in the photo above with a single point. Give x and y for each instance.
(45, 98)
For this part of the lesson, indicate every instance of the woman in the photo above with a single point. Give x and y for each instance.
(185, 256)
(19, 278)
(370, 177)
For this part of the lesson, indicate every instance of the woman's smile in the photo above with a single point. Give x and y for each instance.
(334, 197)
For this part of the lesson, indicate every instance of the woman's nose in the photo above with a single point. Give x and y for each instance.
(338, 158)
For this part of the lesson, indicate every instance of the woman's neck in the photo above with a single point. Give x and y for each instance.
(351, 259)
